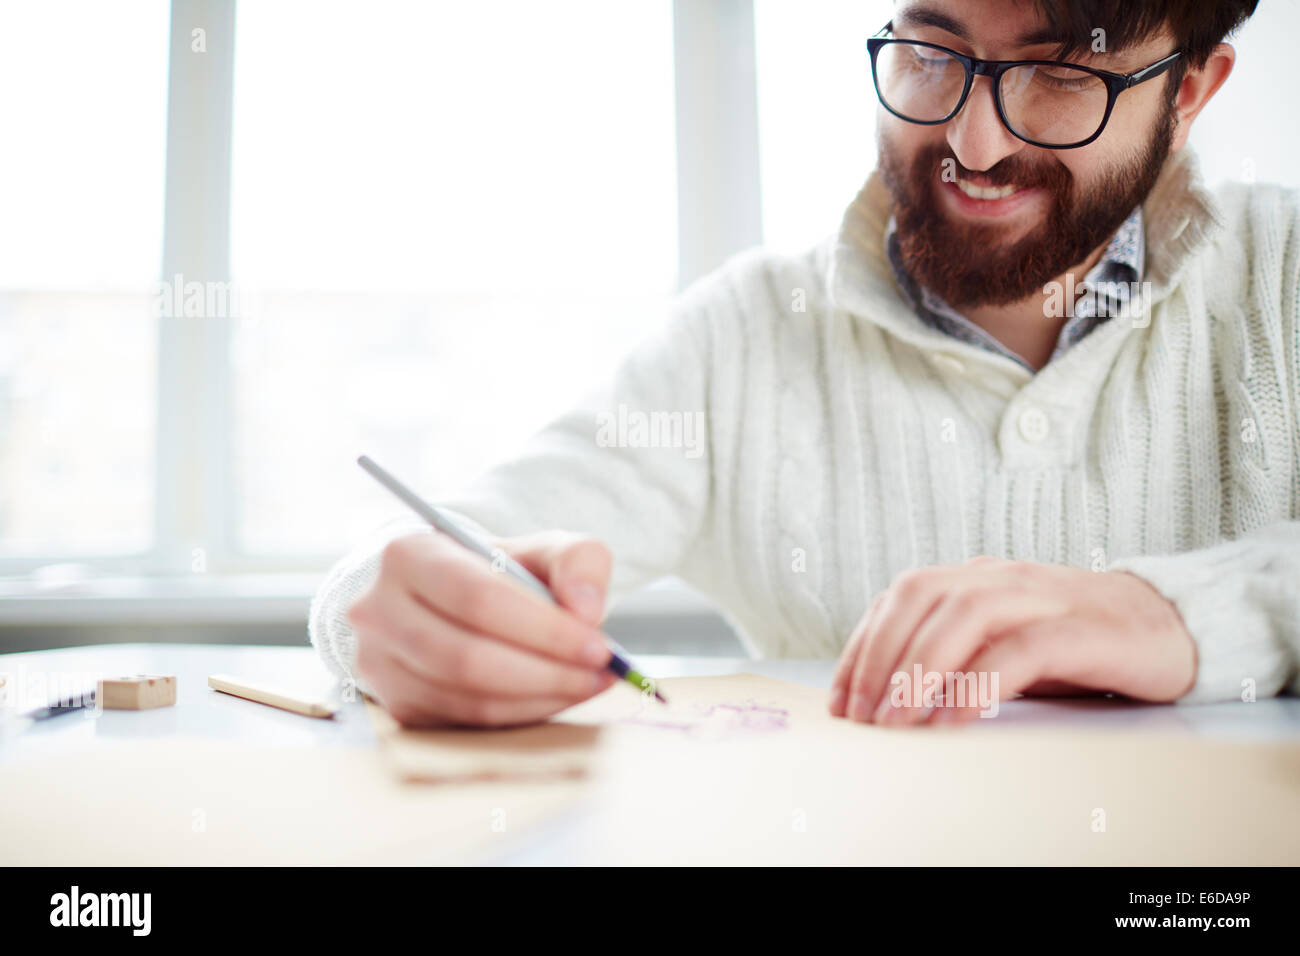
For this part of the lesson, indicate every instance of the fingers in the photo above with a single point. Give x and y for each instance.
(965, 620)
(1012, 662)
(908, 602)
(406, 697)
(839, 698)
(459, 585)
(441, 651)
(443, 637)
(415, 701)
(938, 618)
(576, 569)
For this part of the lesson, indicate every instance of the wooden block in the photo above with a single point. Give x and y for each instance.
(141, 692)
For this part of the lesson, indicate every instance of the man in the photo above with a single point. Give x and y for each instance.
(1032, 413)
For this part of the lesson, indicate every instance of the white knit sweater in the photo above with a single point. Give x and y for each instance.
(846, 441)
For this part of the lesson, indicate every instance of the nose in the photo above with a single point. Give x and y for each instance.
(976, 134)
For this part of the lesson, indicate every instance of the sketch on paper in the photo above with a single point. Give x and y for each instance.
(715, 720)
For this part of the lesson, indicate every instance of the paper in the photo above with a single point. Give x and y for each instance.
(747, 770)
(707, 708)
(828, 791)
(199, 802)
(713, 708)
(757, 787)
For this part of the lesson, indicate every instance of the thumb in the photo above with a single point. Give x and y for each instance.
(576, 568)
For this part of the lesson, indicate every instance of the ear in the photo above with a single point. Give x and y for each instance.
(1197, 88)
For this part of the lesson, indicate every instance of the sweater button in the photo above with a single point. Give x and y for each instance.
(950, 362)
(1033, 425)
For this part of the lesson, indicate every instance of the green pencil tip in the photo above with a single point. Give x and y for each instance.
(645, 684)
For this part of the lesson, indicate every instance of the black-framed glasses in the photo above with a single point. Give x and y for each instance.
(1046, 103)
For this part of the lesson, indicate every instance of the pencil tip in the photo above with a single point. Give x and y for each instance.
(660, 697)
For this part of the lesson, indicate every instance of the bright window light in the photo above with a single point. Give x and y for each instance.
(816, 113)
(452, 219)
(84, 120)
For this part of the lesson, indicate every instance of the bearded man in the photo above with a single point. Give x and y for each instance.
(1032, 411)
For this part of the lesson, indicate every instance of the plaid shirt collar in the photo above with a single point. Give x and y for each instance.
(1120, 265)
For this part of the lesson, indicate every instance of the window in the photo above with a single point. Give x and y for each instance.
(83, 119)
(424, 198)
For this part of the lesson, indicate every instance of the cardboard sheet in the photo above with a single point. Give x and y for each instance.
(745, 769)
(202, 802)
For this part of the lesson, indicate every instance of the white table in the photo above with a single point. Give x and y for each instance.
(202, 713)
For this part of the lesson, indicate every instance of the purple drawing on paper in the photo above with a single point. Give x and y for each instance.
(719, 719)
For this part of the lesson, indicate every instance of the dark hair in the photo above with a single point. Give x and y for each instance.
(1197, 25)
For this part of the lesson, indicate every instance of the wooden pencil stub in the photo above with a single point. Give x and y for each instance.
(260, 693)
(141, 692)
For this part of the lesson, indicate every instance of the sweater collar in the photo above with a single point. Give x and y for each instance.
(1180, 217)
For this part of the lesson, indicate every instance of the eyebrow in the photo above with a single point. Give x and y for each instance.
(929, 17)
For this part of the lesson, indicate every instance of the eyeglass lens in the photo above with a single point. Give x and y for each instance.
(1056, 104)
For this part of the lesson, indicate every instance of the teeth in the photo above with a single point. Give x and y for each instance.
(984, 192)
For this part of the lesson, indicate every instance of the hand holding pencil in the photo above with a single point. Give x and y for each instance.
(443, 638)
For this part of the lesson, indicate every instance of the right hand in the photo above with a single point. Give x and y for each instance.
(442, 638)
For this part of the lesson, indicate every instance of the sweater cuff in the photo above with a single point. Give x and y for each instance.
(1221, 595)
(328, 626)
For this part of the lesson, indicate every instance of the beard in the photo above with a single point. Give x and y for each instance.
(968, 263)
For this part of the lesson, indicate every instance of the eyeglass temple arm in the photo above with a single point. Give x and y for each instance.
(1155, 69)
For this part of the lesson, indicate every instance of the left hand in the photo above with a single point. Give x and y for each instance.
(1035, 626)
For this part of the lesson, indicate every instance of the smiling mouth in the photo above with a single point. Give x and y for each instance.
(985, 192)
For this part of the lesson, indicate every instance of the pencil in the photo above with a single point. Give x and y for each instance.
(619, 661)
(238, 687)
(63, 705)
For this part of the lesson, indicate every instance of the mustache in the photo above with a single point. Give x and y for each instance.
(1014, 170)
